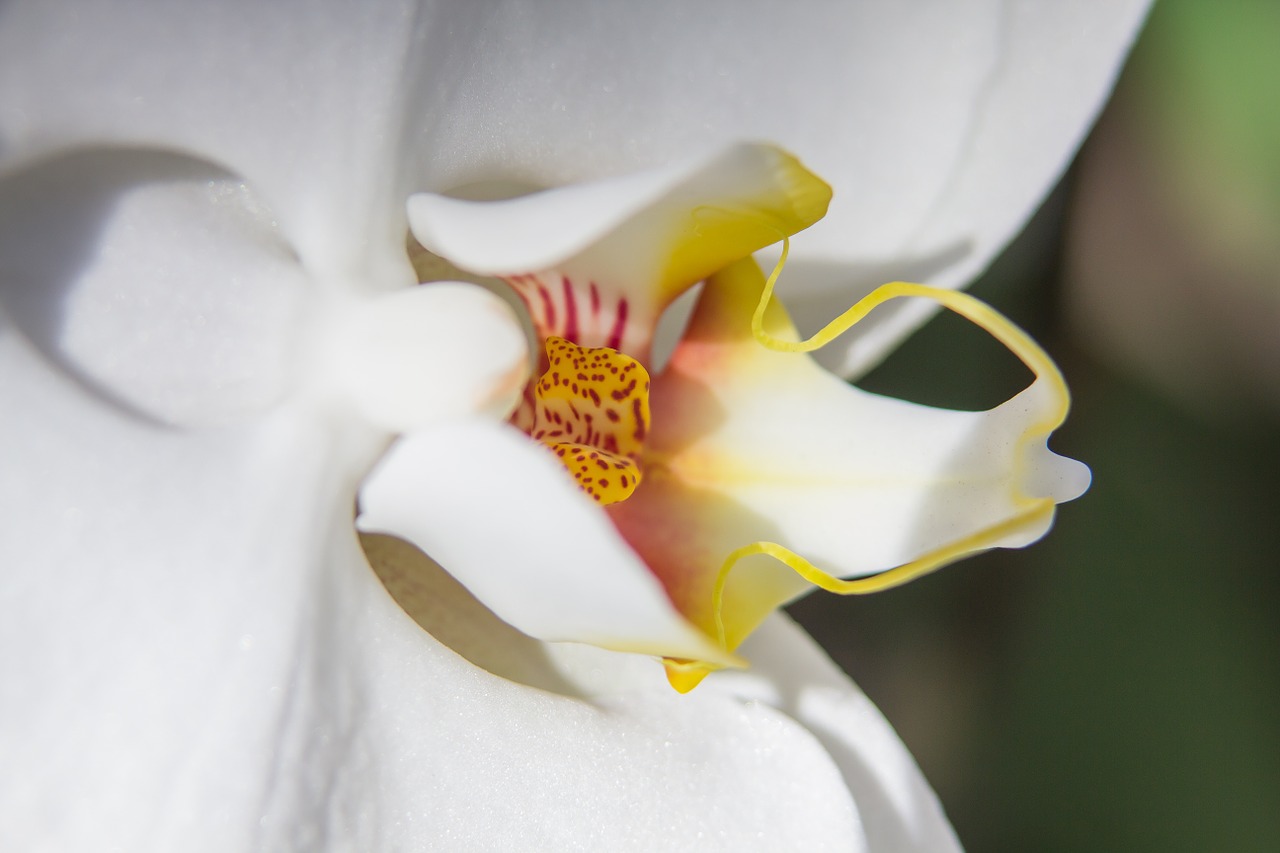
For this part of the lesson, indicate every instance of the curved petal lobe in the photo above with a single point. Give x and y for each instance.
(789, 671)
(415, 356)
(253, 87)
(597, 263)
(501, 515)
(159, 281)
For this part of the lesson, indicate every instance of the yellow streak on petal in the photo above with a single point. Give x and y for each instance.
(790, 200)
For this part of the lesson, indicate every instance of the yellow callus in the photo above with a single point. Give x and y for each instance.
(591, 408)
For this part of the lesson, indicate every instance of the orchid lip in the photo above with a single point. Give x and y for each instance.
(740, 474)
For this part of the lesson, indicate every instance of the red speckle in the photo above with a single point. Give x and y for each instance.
(623, 393)
(639, 416)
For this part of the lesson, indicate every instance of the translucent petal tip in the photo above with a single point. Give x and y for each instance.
(1057, 477)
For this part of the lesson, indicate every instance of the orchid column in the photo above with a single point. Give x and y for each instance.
(202, 218)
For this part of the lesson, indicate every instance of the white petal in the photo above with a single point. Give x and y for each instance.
(899, 811)
(629, 221)
(156, 592)
(458, 758)
(301, 99)
(940, 125)
(159, 280)
(405, 359)
(861, 483)
(500, 513)
(538, 231)
(897, 808)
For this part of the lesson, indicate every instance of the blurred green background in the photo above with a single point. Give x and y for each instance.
(1117, 686)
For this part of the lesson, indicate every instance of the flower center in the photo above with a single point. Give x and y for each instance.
(591, 407)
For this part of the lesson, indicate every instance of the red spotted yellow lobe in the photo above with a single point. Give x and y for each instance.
(591, 407)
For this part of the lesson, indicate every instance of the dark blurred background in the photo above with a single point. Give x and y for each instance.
(1117, 685)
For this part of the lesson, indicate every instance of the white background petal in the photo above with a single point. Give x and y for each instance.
(939, 124)
(482, 763)
(159, 280)
(155, 594)
(790, 671)
(301, 99)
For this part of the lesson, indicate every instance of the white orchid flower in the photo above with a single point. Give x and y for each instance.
(209, 335)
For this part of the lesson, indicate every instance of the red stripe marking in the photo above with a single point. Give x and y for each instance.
(595, 300)
(548, 308)
(570, 311)
(619, 326)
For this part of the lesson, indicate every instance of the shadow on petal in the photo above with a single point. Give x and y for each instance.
(153, 279)
(452, 615)
(898, 809)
